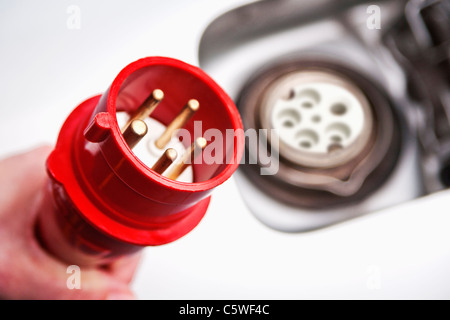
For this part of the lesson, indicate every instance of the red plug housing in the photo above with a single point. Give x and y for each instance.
(102, 201)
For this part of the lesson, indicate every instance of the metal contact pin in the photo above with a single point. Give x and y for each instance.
(135, 132)
(190, 152)
(165, 160)
(180, 120)
(147, 107)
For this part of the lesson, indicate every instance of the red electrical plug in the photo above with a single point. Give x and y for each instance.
(102, 201)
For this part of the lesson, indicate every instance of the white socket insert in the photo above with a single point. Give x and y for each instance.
(322, 119)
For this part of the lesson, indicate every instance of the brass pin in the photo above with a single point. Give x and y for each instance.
(190, 152)
(180, 120)
(165, 161)
(146, 108)
(135, 132)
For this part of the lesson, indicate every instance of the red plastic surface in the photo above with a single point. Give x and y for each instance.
(102, 201)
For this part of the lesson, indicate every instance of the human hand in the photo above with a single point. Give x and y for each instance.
(27, 271)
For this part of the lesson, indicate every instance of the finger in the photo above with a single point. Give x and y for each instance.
(27, 271)
(66, 284)
(34, 274)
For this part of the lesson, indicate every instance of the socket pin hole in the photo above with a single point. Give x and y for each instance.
(288, 124)
(305, 144)
(307, 104)
(307, 138)
(289, 117)
(311, 95)
(336, 139)
(338, 109)
(339, 128)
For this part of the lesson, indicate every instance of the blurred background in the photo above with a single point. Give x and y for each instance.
(55, 54)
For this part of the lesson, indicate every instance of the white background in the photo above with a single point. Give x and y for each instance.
(47, 69)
